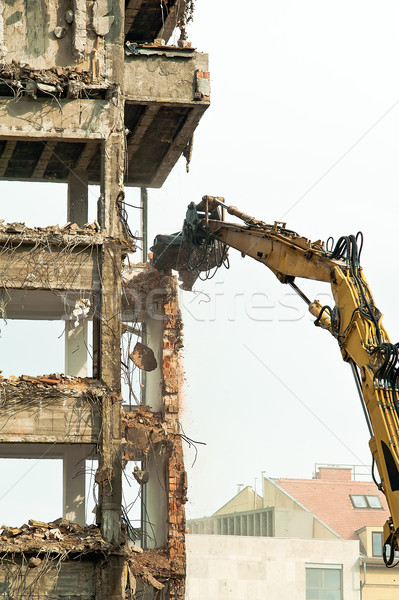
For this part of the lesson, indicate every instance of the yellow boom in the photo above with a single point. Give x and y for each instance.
(354, 321)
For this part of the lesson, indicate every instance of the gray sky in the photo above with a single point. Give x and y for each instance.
(302, 127)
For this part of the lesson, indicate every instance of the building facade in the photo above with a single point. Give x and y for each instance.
(92, 94)
(329, 526)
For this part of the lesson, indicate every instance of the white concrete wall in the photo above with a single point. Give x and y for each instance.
(237, 568)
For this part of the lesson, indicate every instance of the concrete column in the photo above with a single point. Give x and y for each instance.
(74, 488)
(109, 475)
(76, 349)
(78, 193)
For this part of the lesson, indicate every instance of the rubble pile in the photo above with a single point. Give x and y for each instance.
(58, 536)
(70, 81)
(46, 381)
(69, 229)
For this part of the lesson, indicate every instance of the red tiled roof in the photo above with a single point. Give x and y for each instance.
(329, 500)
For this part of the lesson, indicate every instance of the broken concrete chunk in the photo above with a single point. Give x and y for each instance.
(34, 561)
(38, 524)
(15, 227)
(46, 88)
(59, 32)
(79, 34)
(69, 16)
(143, 357)
(74, 88)
(53, 534)
(140, 476)
(102, 21)
(31, 88)
(154, 582)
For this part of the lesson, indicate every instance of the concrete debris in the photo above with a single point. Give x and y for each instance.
(157, 562)
(159, 49)
(69, 16)
(187, 279)
(143, 278)
(102, 21)
(75, 87)
(34, 561)
(57, 536)
(69, 228)
(152, 581)
(46, 88)
(70, 233)
(53, 534)
(142, 477)
(79, 33)
(19, 77)
(59, 32)
(46, 381)
(143, 357)
(142, 430)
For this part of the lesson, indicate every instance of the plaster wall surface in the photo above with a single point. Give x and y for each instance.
(381, 583)
(292, 523)
(232, 568)
(163, 78)
(38, 33)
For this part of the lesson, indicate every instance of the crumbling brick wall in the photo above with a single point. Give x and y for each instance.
(177, 477)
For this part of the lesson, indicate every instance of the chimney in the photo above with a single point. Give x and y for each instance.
(334, 473)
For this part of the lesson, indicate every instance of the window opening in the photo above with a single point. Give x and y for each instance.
(91, 500)
(133, 377)
(38, 479)
(135, 476)
(377, 542)
(41, 205)
(324, 582)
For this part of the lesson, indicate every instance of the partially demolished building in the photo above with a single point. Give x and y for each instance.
(91, 93)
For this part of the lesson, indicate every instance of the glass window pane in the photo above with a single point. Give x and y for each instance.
(374, 501)
(330, 595)
(377, 543)
(332, 579)
(313, 578)
(359, 501)
(323, 584)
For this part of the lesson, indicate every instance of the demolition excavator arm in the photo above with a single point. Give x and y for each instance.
(354, 321)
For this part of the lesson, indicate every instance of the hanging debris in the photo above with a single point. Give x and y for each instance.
(143, 357)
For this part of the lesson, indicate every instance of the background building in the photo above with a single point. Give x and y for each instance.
(330, 526)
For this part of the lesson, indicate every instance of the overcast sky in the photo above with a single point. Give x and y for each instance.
(302, 128)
